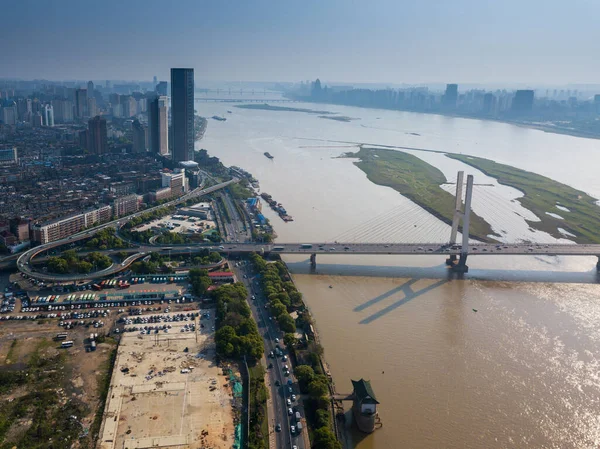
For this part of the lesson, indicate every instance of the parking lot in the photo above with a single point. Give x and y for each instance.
(182, 224)
(113, 293)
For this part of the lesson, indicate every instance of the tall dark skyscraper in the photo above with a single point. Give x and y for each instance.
(139, 137)
(97, 136)
(523, 101)
(81, 103)
(451, 96)
(182, 113)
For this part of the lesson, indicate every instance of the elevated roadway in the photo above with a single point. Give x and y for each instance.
(24, 260)
(314, 249)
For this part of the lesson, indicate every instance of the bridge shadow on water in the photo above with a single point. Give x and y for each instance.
(442, 272)
(409, 295)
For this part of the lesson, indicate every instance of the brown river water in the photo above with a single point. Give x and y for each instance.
(522, 371)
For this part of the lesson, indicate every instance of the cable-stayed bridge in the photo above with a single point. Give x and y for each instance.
(401, 231)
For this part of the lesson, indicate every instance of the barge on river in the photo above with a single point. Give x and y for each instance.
(277, 207)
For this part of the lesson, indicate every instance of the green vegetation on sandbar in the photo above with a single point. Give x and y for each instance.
(268, 107)
(543, 195)
(418, 181)
(339, 118)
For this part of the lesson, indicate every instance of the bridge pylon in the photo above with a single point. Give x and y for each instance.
(460, 264)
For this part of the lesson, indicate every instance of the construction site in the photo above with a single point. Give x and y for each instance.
(167, 391)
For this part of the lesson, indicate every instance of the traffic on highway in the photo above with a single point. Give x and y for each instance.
(286, 414)
(24, 260)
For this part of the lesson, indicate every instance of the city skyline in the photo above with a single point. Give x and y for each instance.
(466, 41)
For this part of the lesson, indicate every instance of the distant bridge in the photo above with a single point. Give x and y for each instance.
(233, 91)
(247, 100)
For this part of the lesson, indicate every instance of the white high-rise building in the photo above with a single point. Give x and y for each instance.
(163, 130)
(9, 115)
(158, 125)
(48, 115)
(92, 110)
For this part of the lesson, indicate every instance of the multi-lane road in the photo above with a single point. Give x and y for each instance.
(236, 230)
(318, 248)
(279, 389)
(24, 260)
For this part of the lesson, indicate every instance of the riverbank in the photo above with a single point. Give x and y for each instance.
(549, 127)
(268, 107)
(418, 181)
(200, 125)
(557, 205)
(338, 118)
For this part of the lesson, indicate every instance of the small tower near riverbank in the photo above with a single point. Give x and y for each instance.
(364, 406)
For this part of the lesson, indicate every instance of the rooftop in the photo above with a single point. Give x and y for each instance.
(363, 390)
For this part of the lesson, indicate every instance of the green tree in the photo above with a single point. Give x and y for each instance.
(238, 335)
(83, 267)
(290, 340)
(318, 387)
(200, 281)
(226, 341)
(285, 299)
(322, 418)
(286, 323)
(305, 375)
(214, 257)
(277, 308)
(70, 256)
(58, 265)
(325, 439)
(296, 298)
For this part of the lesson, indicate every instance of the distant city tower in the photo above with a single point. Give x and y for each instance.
(523, 101)
(450, 96)
(97, 136)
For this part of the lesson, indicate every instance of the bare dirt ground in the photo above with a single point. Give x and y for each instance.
(76, 374)
(166, 391)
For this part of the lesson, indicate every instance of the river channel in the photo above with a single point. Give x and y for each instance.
(508, 357)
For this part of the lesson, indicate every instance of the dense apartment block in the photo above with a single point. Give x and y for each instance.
(125, 205)
(159, 195)
(8, 155)
(63, 227)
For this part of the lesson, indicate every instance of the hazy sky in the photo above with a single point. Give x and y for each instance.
(395, 41)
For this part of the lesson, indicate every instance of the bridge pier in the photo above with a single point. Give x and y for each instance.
(461, 266)
(598, 264)
(313, 261)
(451, 261)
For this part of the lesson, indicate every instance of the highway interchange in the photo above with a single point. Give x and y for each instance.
(24, 260)
(438, 249)
(237, 240)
